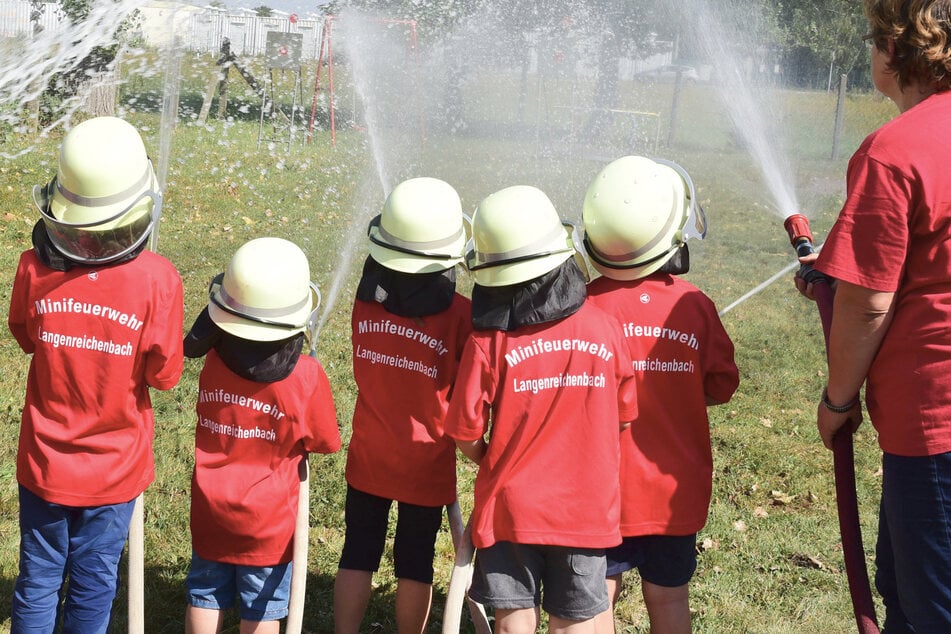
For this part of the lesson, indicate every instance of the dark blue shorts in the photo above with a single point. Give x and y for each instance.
(414, 545)
(913, 557)
(663, 560)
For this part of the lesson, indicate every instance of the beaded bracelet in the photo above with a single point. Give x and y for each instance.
(838, 409)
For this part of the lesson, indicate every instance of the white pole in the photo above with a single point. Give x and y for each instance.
(136, 594)
(461, 578)
(295, 615)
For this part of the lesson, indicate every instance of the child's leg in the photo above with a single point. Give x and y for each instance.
(97, 536)
(412, 606)
(668, 608)
(44, 543)
(260, 627)
(414, 549)
(666, 568)
(352, 590)
(203, 620)
(518, 621)
(366, 517)
(564, 626)
(604, 622)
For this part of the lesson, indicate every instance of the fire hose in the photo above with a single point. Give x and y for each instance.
(295, 604)
(843, 456)
(461, 578)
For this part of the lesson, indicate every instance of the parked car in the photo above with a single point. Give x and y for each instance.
(669, 72)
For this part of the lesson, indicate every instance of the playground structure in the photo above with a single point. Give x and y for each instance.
(326, 57)
(283, 54)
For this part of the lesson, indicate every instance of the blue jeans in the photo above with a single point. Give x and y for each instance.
(913, 556)
(69, 551)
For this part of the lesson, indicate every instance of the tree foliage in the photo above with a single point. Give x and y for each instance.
(100, 58)
(829, 32)
(803, 35)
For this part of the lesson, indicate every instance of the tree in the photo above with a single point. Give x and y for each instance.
(100, 58)
(263, 11)
(827, 33)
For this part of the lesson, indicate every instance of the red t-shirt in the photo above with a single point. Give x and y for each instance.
(894, 234)
(99, 336)
(555, 394)
(681, 354)
(404, 369)
(249, 443)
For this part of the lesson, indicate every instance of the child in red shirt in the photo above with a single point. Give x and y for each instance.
(547, 375)
(262, 407)
(409, 327)
(102, 318)
(638, 214)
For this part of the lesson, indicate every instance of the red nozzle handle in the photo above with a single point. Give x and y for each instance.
(797, 226)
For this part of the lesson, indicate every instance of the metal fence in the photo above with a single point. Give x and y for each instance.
(248, 34)
(201, 30)
(15, 18)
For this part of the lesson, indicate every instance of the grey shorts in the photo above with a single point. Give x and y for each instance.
(511, 576)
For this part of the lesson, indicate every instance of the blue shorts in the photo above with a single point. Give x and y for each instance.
(262, 592)
(511, 576)
(913, 556)
(663, 560)
(414, 545)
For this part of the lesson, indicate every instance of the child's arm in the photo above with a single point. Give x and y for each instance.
(472, 449)
(165, 359)
(202, 336)
(16, 319)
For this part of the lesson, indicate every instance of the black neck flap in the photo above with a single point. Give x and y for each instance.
(258, 361)
(407, 294)
(550, 297)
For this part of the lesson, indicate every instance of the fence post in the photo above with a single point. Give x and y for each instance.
(674, 108)
(839, 116)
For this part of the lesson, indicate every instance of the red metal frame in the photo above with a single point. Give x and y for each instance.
(326, 48)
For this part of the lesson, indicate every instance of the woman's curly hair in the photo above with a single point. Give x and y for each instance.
(921, 30)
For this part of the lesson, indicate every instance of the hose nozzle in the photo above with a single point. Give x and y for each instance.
(797, 226)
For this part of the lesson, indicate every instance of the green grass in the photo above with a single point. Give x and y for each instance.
(771, 559)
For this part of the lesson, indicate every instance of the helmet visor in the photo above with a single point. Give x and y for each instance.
(695, 224)
(104, 240)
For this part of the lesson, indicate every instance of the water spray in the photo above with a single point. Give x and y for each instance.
(800, 236)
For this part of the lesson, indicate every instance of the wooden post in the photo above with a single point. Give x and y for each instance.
(839, 117)
(674, 108)
(136, 589)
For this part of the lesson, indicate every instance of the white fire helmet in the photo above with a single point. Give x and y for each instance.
(421, 229)
(637, 213)
(104, 200)
(516, 236)
(266, 293)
